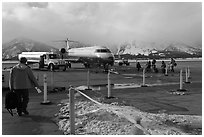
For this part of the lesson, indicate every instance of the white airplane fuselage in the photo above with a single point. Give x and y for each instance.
(90, 55)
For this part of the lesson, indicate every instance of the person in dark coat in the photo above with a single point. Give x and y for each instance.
(138, 66)
(154, 63)
(172, 64)
(163, 67)
(148, 66)
(20, 81)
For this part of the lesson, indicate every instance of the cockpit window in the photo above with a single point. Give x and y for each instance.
(103, 51)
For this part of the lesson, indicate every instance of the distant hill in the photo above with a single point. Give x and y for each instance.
(158, 50)
(180, 47)
(11, 49)
(132, 49)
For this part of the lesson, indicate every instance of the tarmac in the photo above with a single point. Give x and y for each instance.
(40, 121)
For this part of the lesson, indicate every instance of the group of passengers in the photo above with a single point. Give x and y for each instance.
(151, 66)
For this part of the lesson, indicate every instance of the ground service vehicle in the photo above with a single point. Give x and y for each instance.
(47, 60)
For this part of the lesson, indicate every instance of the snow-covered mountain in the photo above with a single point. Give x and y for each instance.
(147, 48)
(181, 47)
(11, 49)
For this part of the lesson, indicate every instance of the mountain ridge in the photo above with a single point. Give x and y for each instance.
(11, 49)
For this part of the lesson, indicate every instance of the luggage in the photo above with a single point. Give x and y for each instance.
(11, 101)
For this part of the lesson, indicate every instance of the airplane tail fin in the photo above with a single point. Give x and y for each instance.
(67, 44)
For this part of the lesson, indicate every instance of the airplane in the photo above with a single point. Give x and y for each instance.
(89, 56)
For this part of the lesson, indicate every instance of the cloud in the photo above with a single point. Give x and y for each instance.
(38, 4)
(104, 22)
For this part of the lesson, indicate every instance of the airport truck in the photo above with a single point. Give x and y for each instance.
(48, 60)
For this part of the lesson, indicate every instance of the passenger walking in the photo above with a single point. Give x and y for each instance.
(148, 66)
(20, 81)
(163, 67)
(138, 66)
(172, 64)
(154, 66)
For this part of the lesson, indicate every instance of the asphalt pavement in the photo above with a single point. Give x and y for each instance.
(40, 121)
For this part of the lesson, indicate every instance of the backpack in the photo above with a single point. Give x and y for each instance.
(11, 101)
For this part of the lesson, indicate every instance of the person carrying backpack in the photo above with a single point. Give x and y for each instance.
(163, 67)
(20, 81)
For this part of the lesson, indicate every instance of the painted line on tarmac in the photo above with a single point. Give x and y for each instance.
(132, 85)
(124, 86)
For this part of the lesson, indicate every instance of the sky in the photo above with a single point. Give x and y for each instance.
(103, 22)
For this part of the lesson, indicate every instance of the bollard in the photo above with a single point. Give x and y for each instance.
(143, 84)
(88, 80)
(181, 82)
(166, 71)
(187, 81)
(45, 101)
(109, 86)
(189, 73)
(72, 111)
(181, 79)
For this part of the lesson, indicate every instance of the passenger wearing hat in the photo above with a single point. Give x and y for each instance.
(20, 81)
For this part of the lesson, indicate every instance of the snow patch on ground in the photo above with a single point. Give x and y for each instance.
(114, 117)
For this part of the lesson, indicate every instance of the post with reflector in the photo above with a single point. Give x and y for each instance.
(187, 81)
(109, 88)
(72, 111)
(45, 101)
(189, 73)
(88, 80)
(181, 82)
(166, 71)
(143, 84)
